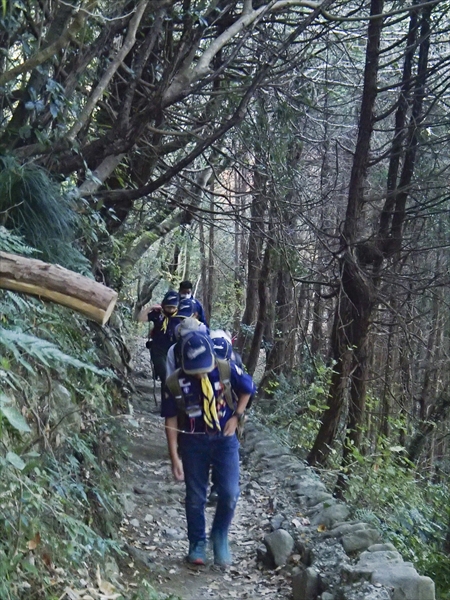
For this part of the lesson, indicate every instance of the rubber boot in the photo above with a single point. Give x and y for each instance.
(221, 548)
(197, 553)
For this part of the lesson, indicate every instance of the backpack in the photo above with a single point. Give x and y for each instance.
(172, 383)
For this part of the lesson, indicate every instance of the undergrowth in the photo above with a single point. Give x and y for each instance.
(59, 506)
(404, 504)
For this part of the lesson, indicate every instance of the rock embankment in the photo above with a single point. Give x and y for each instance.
(341, 559)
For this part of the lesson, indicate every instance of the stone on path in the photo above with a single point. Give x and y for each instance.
(305, 585)
(280, 544)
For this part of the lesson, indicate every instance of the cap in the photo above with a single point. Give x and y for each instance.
(186, 308)
(171, 298)
(197, 354)
(221, 344)
(220, 333)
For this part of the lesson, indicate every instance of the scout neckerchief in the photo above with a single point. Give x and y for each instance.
(165, 322)
(209, 404)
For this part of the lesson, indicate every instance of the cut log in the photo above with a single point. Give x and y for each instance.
(57, 284)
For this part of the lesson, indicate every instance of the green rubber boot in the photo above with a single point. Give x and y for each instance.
(197, 553)
(221, 548)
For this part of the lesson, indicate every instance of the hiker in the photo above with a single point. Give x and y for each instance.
(162, 321)
(187, 308)
(201, 419)
(185, 291)
(223, 347)
(186, 326)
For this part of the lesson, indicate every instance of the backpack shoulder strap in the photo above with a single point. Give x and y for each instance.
(172, 383)
(177, 353)
(225, 374)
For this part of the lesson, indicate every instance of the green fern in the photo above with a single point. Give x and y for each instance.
(15, 244)
(14, 306)
(21, 345)
(12, 414)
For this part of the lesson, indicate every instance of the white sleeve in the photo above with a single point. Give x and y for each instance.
(170, 361)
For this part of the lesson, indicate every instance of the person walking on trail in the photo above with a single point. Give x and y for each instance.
(162, 322)
(187, 308)
(185, 291)
(186, 326)
(201, 433)
(223, 347)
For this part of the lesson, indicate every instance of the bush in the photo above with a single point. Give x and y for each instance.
(294, 408)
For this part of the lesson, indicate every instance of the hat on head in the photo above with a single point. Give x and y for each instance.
(221, 344)
(171, 298)
(197, 354)
(186, 308)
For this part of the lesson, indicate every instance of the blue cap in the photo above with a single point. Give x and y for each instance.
(197, 354)
(171, 298)
(186, 308)
(222, 347)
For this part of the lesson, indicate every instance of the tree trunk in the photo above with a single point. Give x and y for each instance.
(254, 258)
(348, 349)
(263, 295)
(438, 412)
(429, 377)
(56, 284)
(175, 262)
(356, 300)
(203, 266)
(145, 293)
(316, 331)
(239, 253)
(277, 356)
(209, 295)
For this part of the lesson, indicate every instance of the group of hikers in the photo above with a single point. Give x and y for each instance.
(205, 392)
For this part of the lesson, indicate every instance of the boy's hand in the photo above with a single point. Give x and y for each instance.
(177, 470)
(230, 426)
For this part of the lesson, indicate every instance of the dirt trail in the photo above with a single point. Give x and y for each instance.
(154, 522)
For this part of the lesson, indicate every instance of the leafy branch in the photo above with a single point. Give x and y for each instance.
(42, 351)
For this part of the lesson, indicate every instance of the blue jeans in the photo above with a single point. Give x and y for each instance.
(199, 453)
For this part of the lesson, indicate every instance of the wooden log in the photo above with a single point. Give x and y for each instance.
(57, 284)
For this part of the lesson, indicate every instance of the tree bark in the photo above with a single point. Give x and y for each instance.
(145, 294)
(239, 257)
(281, 330)
(316, 329)
(438, 412)
(211, 266)
(254, 259)
(263, 295)
(203, 266)
(56, 284)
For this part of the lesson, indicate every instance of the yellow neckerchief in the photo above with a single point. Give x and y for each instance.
(209, 404)
(166, 320)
